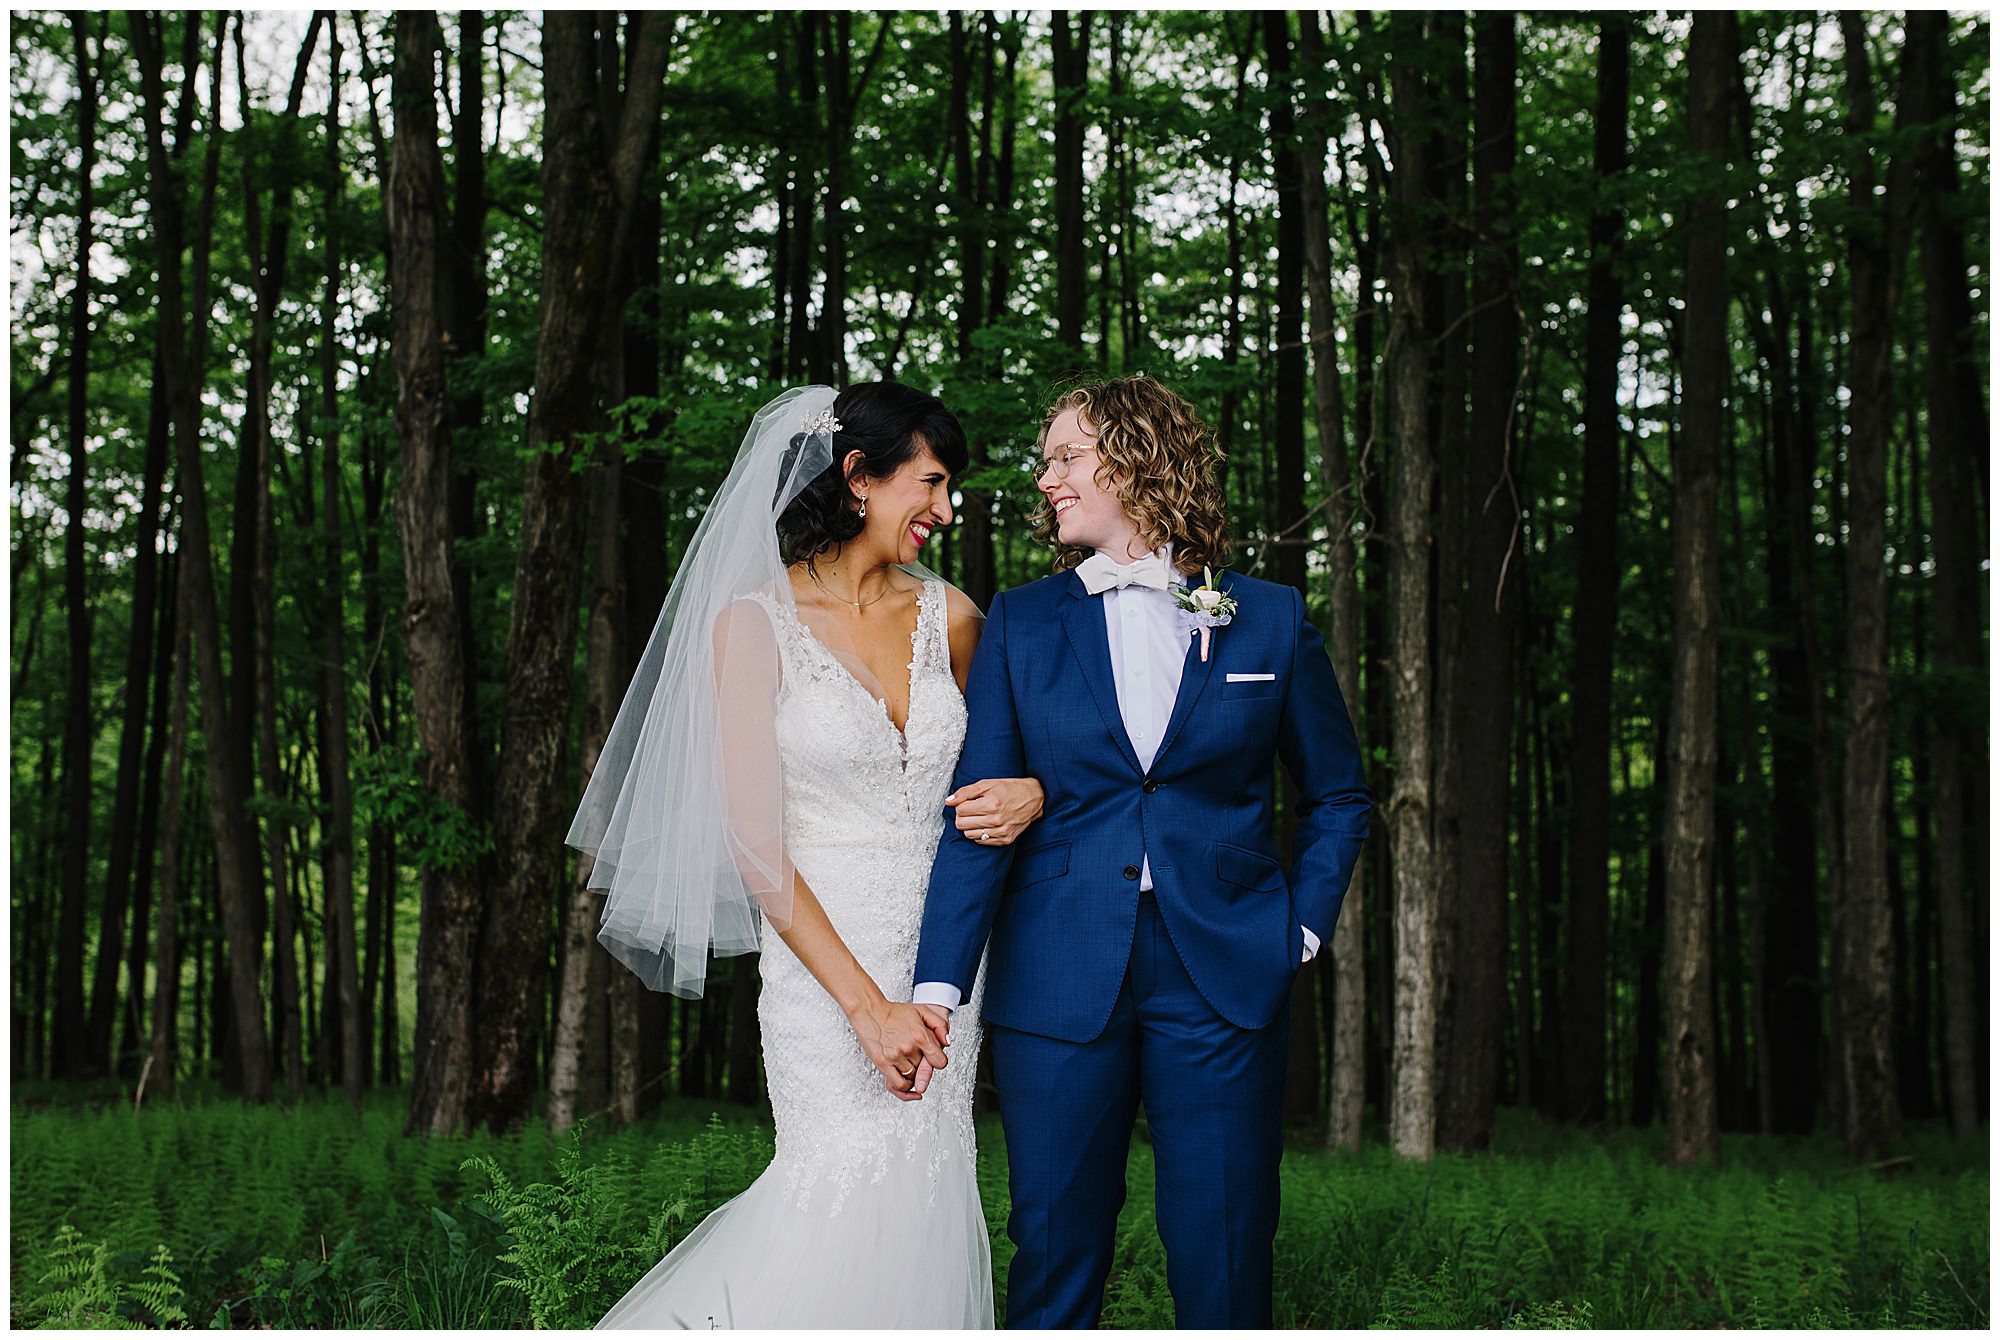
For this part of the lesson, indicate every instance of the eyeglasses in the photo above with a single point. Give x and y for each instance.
(1058, 461)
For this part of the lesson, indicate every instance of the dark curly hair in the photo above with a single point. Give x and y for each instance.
(889, 423)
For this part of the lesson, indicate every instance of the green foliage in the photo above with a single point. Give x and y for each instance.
(389, 788)
(312, 1219)
(80, 1291)
(571, 1239)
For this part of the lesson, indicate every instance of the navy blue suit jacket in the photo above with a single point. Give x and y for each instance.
(1056, 910)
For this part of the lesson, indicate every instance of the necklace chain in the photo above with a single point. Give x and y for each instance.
(857, 604)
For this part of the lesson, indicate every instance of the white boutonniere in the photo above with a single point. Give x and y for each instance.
(1202, 609)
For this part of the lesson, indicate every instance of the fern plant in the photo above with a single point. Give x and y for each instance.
(570, 1242)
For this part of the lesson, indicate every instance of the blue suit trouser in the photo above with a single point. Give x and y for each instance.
(1214, 1103)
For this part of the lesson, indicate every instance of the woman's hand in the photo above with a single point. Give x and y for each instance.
(998, 810)
(900, 1038)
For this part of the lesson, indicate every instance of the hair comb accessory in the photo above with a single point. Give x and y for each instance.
(823, 422)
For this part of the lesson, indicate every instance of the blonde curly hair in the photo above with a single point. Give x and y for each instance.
(1156, 451)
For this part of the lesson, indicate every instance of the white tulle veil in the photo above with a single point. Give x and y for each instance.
(683, 817)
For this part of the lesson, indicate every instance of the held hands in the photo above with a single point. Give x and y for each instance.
(997, 810)
(905, 1042)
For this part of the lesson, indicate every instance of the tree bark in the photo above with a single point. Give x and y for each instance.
(1413, 1082)
(586, 181)
(1688, 1011)
(268, 257)
(337, 823)
(1470, 1086)
(1956, 419)
(1071, 57)
(1865, 963)
(73, 1053)
(970, 174)
(453, 889)
(169, 634)
(1596, 603)
(462, 314)
(1347, 1080)
(1288, 441)
(183, 326)
(165, 1047)
(119, 875)
(605, 677)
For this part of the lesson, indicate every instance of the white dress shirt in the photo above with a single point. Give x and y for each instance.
(1147, 655)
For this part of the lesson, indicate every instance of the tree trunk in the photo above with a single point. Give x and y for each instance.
(1865, 963)
(1001, 222)
(1956, 418)
(970, 172)
(1471, 1082)
(1689, 829)
(268, 257)
(381, 841)
(337, 825)
(183, 343)
(73, 1036)
(165, 1049)
(1290, 535)
(462, 316)
(1596, 604)
(170, 635)
(453, 889)
(133, 757)
(1791, 919)
(1071, 73)
(1446, 158)
(1347, 1080)
(1413, 1085)
(605, 677)
(836, 30)
(586, 181)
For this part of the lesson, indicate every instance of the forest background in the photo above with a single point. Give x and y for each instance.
(1613, 385)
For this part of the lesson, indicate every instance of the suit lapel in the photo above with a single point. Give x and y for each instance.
(1083, 620)
(1195, 674)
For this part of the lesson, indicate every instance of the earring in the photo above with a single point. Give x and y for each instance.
(864, 507)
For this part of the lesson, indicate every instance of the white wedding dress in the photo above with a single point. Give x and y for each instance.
(869, 1215)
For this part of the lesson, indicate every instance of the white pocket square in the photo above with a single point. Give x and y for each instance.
(1246, 679)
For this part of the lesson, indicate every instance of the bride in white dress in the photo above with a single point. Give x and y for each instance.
(776, 780)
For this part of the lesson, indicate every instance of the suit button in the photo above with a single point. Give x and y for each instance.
(1151, 786)
(1131, 872)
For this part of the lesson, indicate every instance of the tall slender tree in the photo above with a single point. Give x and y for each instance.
(1864, 964)
(1955, 416)
(1589, 911)
(591, 173)
(1408, 815)
(1469, 1087)
(79, 731)
(441, 1089)
(1346, 1086)
(182, 316)
(1688, 824)
(1071, 58)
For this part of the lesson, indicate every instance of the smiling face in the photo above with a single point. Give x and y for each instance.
(1089, 514)
(906, 507)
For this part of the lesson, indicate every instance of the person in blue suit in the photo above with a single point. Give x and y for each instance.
(1141, 938)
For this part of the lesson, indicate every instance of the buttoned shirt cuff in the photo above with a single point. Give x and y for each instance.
(941, 994)
(1312, 945)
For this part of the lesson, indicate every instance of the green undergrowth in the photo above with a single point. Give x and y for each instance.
(209, 1213)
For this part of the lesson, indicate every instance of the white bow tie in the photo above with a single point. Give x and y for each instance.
(1100, 574)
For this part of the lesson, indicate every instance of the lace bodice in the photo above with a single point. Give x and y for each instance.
(864, 806)
(850, 775)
